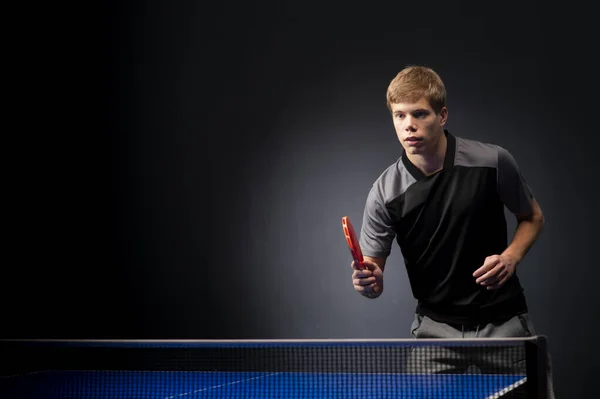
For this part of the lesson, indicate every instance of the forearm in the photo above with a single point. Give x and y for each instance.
(525, 236)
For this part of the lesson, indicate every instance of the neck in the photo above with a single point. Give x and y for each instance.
(432, 161)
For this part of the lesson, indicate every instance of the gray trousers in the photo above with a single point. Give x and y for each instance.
(472, 360)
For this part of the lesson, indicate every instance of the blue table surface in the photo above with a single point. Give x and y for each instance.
(190, 385)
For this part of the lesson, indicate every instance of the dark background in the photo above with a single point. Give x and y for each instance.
(183, 167)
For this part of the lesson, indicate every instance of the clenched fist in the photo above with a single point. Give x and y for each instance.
(368, 281)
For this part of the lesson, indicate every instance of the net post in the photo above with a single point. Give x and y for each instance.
(537, 367)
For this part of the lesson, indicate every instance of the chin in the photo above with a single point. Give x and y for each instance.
(414, 150)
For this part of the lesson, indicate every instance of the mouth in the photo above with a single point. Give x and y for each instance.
(414, 141)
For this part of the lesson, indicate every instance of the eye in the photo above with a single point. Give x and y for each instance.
(420, 114)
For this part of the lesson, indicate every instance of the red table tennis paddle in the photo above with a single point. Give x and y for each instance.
(352, 241)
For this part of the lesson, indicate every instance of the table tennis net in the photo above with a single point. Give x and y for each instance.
(466, 368)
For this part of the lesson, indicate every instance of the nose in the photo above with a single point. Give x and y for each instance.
(409, 126)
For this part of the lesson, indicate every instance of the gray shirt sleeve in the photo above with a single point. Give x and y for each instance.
(377, 234)
(512, 187)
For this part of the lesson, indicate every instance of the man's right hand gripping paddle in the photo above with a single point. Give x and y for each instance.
(367, 277)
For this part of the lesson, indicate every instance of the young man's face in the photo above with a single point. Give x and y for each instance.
(418, 127)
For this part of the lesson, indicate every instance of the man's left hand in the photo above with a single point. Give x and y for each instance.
(496, 270)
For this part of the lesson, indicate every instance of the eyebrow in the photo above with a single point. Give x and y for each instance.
(413, 111)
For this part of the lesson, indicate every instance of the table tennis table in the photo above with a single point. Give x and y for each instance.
(224, 369)
(193, 385)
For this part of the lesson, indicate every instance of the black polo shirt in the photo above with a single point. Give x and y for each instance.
(446, 225)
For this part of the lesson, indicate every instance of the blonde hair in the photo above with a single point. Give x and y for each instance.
(414, 82)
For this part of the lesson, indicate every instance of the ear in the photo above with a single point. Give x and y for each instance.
(443, 116)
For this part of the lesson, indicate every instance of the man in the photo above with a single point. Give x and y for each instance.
(443, 202)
